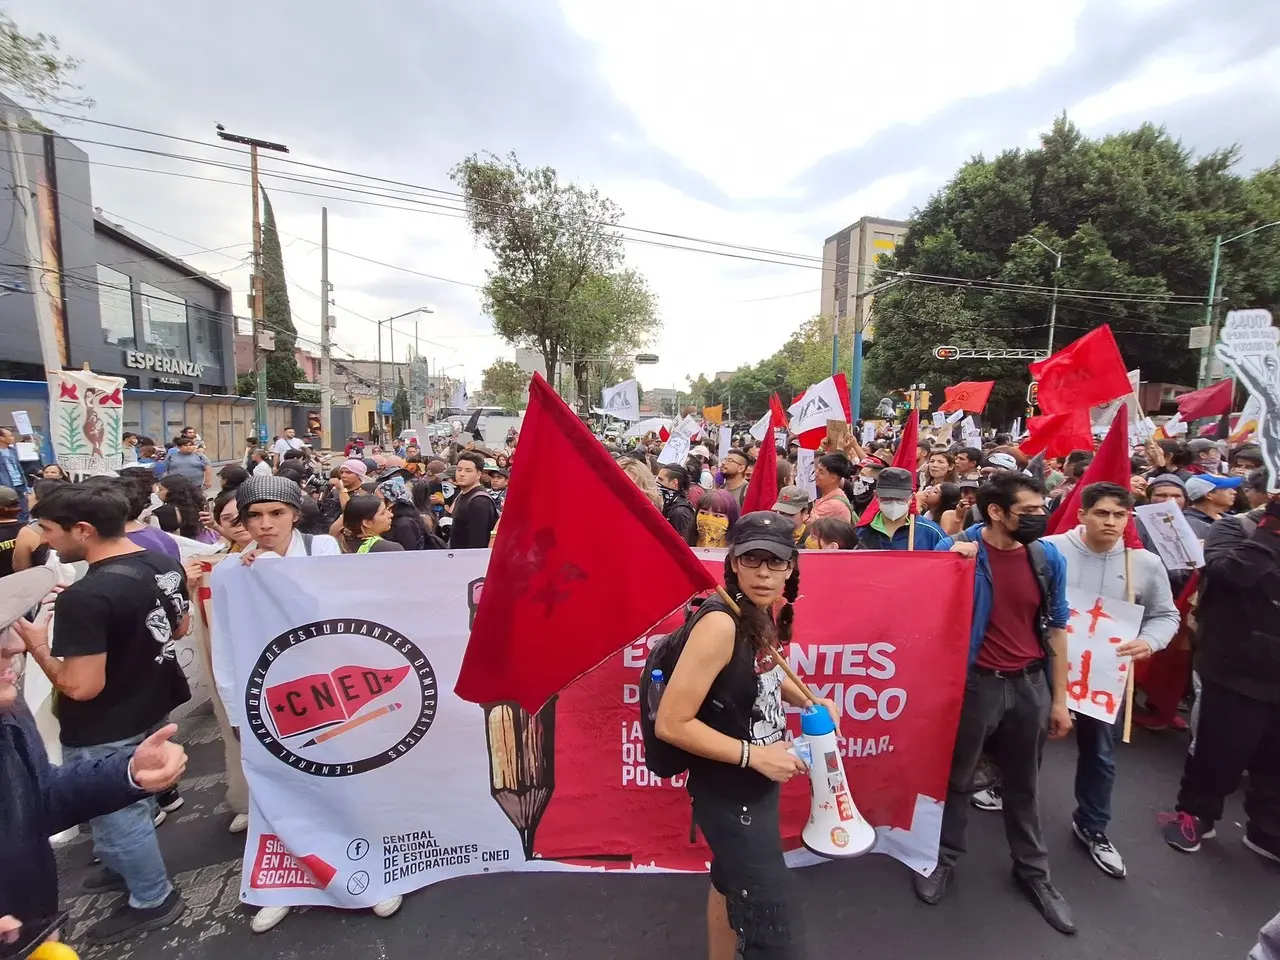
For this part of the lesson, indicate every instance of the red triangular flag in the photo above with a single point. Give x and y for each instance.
(762, 491)
(970, 396)
(664, 434)
(557, 600)
(1083, 374)
(1110, 464)
(1210, 401)
(1056, 435)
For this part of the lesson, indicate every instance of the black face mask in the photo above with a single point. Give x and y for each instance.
(668, 496)
(1031, 527)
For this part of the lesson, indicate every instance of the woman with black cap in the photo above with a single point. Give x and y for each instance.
(723, 705)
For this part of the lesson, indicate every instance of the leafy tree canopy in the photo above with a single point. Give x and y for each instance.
(504, 384)
(32, 66)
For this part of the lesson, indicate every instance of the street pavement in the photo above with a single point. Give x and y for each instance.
(1172, 906)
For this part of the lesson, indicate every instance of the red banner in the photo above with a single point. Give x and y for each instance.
(898, 676)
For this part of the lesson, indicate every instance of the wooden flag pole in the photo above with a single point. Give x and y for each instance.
(911, 533)
(778, 658)
(1128, 680)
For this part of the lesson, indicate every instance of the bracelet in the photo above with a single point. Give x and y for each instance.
(746, 754)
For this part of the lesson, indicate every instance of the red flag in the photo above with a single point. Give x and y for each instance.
(1056, 435)
(558, 598)
(970, 396)
(762, 491)
(1210, 401)
(905, 457)
(1083, 374)
(1110, 464)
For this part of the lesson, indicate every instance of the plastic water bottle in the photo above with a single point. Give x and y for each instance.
(657, 683)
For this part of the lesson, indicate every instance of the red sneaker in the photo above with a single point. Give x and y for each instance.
(1179, 724)
(1149, 721)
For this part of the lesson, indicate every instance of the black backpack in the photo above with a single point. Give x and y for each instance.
(662, 758)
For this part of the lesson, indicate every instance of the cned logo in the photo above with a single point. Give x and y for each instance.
(335, 698)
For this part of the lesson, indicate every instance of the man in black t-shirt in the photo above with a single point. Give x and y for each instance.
(115, 676)
(474, 512)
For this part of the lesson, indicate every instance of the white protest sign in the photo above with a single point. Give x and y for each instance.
(677, 447)
(939, 419)
(868, 431)
(1174, 427)
(955, 416)
(805, 478)
(27, 452)
(622, 400)
(22, 421)
(1095, 675)
(1248, 346)
(760, 429)
(1172, 536)
(726, 440)
(86, 411)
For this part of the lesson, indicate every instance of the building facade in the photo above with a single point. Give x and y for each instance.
(849, 265)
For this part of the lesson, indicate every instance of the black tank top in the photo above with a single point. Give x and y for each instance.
(8, 543)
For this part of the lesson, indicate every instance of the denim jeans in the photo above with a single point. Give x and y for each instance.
(126, 840)
(1095, 772)
(1010, 714)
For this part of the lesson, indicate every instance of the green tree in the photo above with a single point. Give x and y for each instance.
(32, 66)
(1134, 215)
(400, 413)
(283, 370)
(504, 384)
(558, 283)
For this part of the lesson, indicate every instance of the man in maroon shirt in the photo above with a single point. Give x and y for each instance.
(1015, 694)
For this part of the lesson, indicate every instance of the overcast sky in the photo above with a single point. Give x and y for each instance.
(760, 123)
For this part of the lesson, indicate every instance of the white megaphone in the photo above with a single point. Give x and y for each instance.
(835, 829)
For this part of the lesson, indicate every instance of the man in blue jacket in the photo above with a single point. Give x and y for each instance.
(891, 527)
(40, 799)
(1016, 690)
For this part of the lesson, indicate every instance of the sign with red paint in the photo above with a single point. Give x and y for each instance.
(1095, 675)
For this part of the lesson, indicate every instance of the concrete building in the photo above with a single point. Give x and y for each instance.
(848, 267)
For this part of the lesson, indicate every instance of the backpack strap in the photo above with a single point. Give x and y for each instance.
(1043, 573)
(306, 543)
(174, 617)
(367, 545)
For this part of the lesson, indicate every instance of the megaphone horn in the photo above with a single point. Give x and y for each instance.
(835, 829)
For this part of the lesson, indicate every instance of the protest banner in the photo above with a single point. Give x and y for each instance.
(676, 449)
(22, 423)
(805, 478)
(1249, 346)
(726, 441)
(837, 432)
(622, 401)
(1095, 675)
(825, 400)
(369, 778)
(87, 411)
(1171, 534)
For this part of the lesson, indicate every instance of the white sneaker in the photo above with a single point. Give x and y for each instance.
(239, 823)
(1100, 848)
(266, 918)
(991, 798)
(160, 817)
(387, 908)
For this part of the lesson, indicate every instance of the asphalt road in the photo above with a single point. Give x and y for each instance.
(1172, 906)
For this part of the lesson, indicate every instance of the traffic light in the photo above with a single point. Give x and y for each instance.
(924, 399)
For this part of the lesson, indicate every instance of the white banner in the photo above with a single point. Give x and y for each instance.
(85, 427)
(1095, 675)
(622, 401)
(760, 429)
(804, 473)
(1250, 347)
(726, 442)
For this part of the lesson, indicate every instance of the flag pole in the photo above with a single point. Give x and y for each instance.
(911, 533)
(778, 658)
(1128, 680)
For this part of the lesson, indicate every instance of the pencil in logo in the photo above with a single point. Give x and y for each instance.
(342, 728)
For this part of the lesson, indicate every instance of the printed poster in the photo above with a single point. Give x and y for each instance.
(85, 427)
(1095, 675)
(1248, 346)
(369, 779)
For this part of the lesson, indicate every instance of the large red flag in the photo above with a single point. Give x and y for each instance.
(1210, 401)
(762, 491)
(970, 396)
(1110, 464)
(559, 597)
(1083, 374)
(1056, 435)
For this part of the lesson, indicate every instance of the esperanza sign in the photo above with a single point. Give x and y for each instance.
(368, 778)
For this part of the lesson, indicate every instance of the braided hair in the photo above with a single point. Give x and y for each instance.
(757, 626)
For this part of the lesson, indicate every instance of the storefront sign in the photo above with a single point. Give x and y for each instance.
(149, 361)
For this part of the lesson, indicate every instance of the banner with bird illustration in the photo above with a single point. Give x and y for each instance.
(86, 417)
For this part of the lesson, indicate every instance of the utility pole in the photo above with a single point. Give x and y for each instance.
(326, 367)
(1210, 314)
(1053, 305)
(256, 300)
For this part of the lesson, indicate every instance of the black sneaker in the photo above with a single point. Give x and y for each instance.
(126, 921)
(1263, 846)
(104, 880)
(170, 800)
(1183, 832)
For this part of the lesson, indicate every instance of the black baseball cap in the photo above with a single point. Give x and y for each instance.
(764, 530)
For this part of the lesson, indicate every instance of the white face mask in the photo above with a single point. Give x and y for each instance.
(893, 509)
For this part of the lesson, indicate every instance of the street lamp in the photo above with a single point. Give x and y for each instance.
(1210, 318)
(407, 313)
(1053, 306)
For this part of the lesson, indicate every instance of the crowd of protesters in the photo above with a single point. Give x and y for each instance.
(987, 501)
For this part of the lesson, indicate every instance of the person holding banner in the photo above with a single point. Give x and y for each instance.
(1016, 692)
(739, 756)
(1096, 561)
